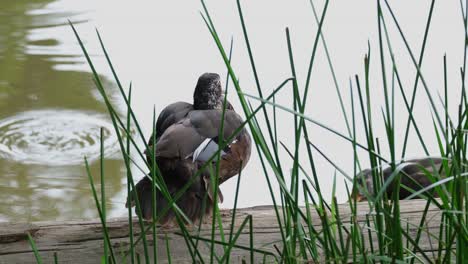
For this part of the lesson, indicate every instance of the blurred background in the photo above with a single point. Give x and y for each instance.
(51, 112)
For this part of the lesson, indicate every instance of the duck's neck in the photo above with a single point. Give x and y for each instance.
(207, 101)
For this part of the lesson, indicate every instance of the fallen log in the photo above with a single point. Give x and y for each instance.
(82, 241)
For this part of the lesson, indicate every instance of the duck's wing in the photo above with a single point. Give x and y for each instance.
(414, 176)
(237, 153)
(208, 122)
(175, 112)
(195, 139)
(196, 134)
(170, 115)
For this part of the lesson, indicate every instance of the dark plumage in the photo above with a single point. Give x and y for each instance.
(413, 177)
(186, 136)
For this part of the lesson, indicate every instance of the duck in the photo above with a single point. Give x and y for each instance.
(186, 136)
(413, 177)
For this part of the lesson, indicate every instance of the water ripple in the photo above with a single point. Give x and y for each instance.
(55, 137)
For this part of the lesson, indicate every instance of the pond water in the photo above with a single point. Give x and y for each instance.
(51, 112)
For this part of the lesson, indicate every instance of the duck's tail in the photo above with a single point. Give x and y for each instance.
(195, 203)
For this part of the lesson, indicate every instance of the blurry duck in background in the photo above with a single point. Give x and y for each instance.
(413, 177)
(187, 135)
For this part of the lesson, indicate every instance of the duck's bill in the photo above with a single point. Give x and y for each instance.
(358, 197)
(130, 202)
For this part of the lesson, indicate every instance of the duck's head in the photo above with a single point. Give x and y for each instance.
(364, 181)
(208, 92)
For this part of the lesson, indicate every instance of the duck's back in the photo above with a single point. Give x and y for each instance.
(170, 115)
(181, 139)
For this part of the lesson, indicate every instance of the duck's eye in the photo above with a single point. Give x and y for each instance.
(227, 148)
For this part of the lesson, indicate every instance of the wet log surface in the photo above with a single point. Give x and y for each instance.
(82, 241)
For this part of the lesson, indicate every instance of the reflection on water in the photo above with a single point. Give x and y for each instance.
(40, 192)
(49, 120)
(55, 137)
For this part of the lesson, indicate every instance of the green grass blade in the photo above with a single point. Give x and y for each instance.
(103, 192)
(415, 86)
(98, 206)
(129, 184)
(168, 250)
(34, 249)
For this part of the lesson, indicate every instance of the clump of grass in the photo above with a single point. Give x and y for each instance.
(333, 236)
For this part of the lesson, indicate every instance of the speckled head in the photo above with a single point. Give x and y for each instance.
(208, 92)
(364, 180)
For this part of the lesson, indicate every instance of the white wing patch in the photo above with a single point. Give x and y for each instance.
(205, 150)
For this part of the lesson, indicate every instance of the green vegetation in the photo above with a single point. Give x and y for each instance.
(301, 240)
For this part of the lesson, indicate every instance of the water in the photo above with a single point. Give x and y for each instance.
(51, 113)
(65, 136)
(50, 118)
